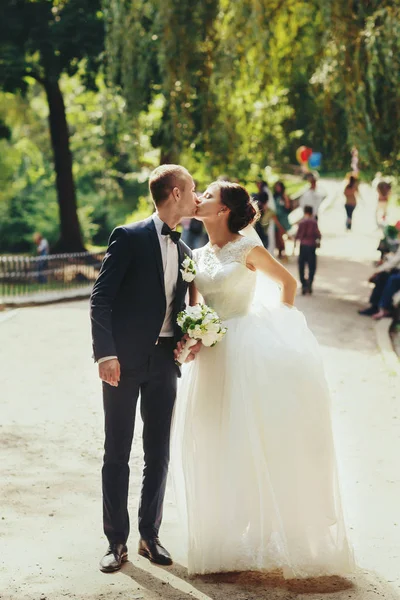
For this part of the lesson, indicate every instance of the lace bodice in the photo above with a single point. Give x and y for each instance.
(223, 279)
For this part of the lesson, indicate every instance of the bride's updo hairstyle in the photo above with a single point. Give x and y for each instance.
(237, 199)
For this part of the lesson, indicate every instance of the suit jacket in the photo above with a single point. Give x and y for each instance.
(128, 302)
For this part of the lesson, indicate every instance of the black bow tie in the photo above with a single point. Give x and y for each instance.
(174, 235)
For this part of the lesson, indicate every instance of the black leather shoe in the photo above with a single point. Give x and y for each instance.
(113, 559)
(368, 312)
(154, 551)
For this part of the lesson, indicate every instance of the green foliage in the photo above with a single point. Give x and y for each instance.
(45, 38)
(144, 209)
(357, 78)
(111, 165)
(247, 83)
(27, 195)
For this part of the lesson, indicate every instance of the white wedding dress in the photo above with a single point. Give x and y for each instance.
(252, 454)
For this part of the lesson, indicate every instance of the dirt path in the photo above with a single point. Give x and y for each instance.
(51, 449)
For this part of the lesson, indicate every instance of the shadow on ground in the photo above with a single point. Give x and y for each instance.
(255, 586)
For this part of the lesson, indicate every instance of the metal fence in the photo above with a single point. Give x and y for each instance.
(25, 279)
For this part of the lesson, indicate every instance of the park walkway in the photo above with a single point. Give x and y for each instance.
(51, 448)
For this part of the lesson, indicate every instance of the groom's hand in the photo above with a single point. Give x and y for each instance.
(110, 371)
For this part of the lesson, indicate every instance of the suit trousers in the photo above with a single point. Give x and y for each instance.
(307, 257)
(156, 382)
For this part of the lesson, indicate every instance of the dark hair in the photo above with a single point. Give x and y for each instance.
(164, 179)
(308, 210)
(384, 187)
(352, 181)
(237, 199)
(282, 185)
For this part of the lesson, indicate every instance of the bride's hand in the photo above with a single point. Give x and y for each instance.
(193, 350)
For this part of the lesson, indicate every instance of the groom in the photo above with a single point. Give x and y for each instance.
(134, 305)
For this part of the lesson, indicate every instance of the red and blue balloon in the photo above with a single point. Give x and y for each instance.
(307, 158)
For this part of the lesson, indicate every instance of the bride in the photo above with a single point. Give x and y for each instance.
(252, 437)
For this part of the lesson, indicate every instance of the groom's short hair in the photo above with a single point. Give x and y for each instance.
(163, 180)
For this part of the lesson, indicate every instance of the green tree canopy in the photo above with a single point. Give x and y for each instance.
(245, 83)
(43, 39)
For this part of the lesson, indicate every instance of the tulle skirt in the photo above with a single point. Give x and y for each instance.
(252, 453)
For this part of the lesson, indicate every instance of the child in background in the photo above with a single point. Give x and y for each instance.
(309, 236)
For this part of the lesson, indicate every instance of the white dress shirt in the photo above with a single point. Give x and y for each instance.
(170, 257)
(312, 198)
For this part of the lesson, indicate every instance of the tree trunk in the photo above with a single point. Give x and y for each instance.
(70, 233)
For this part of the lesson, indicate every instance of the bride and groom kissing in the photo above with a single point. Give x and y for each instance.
(252, 448)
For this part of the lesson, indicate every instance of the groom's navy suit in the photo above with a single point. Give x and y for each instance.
(128, 307)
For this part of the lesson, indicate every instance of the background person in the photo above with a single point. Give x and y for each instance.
(350, 192)
(282, 207)
(312, 197)
(309, 237)
(42, 249)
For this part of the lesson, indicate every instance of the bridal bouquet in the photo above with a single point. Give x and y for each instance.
(200, 322)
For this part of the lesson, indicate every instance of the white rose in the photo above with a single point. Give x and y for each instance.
(208, 319)
(194, 312)
(197, 312)
(188, 270)
(208, 339)
(187, 276)
(196, 332)
(213, 328)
